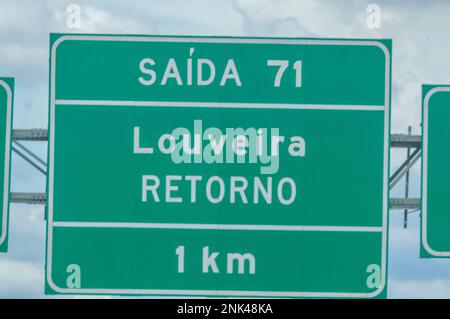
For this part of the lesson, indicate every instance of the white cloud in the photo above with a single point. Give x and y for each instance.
(98, 20)
(404, 240)
(419, 34)
(416, 289)
(18, 278)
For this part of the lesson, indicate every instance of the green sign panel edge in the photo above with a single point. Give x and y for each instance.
(58, 39)
(426, 250)
(7, 84)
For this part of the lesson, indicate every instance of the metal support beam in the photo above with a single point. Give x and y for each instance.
(404, 168)
(36, 134)
(30, 153)
(40, 199)
(406, 141)
(30, 161)
(397, 140)
(28, 198)
(405, 203)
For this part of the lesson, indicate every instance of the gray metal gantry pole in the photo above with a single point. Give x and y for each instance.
(405, 212)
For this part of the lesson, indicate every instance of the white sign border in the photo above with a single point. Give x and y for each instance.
(5, 207)
(424, 237)
(347, 42)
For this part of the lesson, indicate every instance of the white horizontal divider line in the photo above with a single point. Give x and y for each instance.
(223, 105)
(217, 226)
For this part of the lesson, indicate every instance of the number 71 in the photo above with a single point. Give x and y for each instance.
(282, 66)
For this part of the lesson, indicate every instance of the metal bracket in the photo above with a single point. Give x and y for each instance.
(28, 198)
(36, 134)
(405, 203)
(406, 141)
(24, 152)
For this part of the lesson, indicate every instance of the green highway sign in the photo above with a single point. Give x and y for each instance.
(218, 166)
(6, 107)
(435, 218)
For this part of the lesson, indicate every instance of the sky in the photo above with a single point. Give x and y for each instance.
(419, 30)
